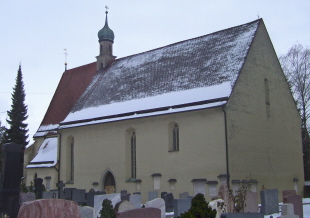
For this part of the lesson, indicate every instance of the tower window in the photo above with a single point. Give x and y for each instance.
(133, 155)
(173, 137)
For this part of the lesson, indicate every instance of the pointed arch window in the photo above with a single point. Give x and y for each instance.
(133, 155)
(175, 137)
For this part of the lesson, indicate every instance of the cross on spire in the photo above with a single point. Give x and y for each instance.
(106, 8)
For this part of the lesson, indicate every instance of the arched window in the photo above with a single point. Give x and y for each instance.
(110, 49)
(133, 155)
(267, 97)
(101, 49)
(70, 160)
(174, 141)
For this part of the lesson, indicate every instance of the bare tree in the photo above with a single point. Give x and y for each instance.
(296, 67)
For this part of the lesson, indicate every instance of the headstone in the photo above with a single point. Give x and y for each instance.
(30, 196)
(296, 200)
(136, 200)
(115, 198)
(87, 212)
(90, 196)
(286, 193)
(140, 213)
(68, 193)
(242, 215)
(181, 206)
(10, 179)
(123, 192)
(38, 187)
(152, 195)
(162, 194)
(287, 211)
(219, 206)
(61, 193)
(50, 194)
(269, 201)
(157, 203)
(125, 197)
(223, 194)
(78, 195)
(137, 193)
(251, 202)
(49, 208)
(168, 198)
(184, 195)
(124, 206)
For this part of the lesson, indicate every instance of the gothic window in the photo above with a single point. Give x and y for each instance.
(174, 137)
(133, 155)
(70, 160)
(267, 97)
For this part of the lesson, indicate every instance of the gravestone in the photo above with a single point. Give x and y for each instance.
(50, 194)
(251, 202)
(152, 195)
(68, 193)
(10, 178)
(184, 195)
(87, 212)
(140, 213)
(287, 211)
(115, 198)
(223, 194)
(123, 192)
(168, 198)
(78, 195)
(90, 196)
(269, 201)
(49, 208)
(61, 193)
(162, 194)
(136, 200)
(125, 197)
(38, 187)
(286, 193)
(157, 203)
(124, 206)
(242, 215)
(23, 197)
(296, 201)
(181, 206)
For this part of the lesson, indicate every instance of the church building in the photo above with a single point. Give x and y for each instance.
(186, 117)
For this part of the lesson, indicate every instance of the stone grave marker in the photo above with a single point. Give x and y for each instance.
(251, 202)
(223, 194)
(181, 206)
(162, 194)
(50, 194)
(137, 193)
(115, 198)
(125, 197)
(90, 196)
(38, 187)
(68, 193)
(286, 193)
(124, 206)
(242, 215)
(269, 201)
(78, 195)
(123, 192)
(287, 211)
(136, 200)
(152, 195)
(168, 198)
(184, 195)
(157, 203)
(140, 213)
(23, 197)
(61, 193)
(87, 212)
(296, 201)
(49, 208)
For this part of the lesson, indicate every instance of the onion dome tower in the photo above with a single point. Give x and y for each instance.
(106, 40)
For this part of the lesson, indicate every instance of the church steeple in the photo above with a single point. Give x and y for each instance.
(106, 40)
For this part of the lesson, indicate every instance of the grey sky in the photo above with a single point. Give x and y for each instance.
(36, 32)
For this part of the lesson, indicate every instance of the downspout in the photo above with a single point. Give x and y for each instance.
(226, 146)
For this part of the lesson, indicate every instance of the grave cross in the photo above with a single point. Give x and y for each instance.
(60, 186)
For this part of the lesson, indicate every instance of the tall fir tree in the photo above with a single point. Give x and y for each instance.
(17, 132)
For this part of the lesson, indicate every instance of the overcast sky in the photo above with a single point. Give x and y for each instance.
(36, 32)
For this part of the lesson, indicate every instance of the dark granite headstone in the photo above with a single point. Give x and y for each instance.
(90, 196)
(169, 202)
(68, 193)
(123, 192)
(242, 215)
(269, 201)
(140, 213)
(181, 206)
(38, 187)
(162, 194)
(78, 195)
(61, 193)
(10, 178)
(296, 200)
(125, 197)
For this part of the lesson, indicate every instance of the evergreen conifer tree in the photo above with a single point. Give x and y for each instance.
(17, 132)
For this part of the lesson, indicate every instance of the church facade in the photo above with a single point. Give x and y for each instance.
(186, 117)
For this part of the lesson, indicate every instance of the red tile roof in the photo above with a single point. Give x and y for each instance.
(71, 86)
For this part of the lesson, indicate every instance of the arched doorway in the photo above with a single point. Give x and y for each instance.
(109, 183)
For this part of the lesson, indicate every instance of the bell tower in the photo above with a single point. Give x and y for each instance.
(106, 40)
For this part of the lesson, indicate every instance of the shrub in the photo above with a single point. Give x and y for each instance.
(107, 209)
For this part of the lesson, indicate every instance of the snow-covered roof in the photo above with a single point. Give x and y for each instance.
(47, 154)
(195, 70)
